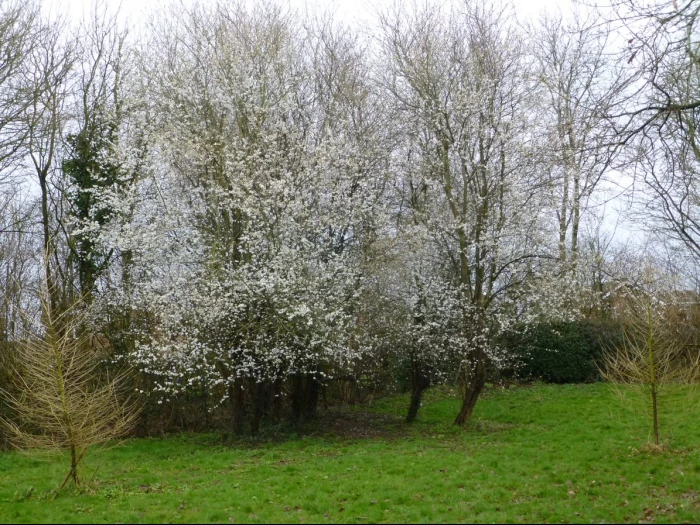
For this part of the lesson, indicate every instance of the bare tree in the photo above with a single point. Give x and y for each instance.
(18, 38)
(662, 57)
(46, 77)
(657, 115)
(63, 399)
(652, 357)
(18, 258)
(578, 82)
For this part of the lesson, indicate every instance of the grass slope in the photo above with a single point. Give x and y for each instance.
(542, 454)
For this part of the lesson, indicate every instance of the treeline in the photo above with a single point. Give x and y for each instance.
(254, 210)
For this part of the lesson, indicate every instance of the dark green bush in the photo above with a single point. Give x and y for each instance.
(564, 352)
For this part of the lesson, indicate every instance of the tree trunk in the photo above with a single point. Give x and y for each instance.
(575, 220)
(475, 381)
(652, 362)
(46, 227)
(259, 399)
(420, 381)
(563, 215)
(73, 473)
(655, 408)
(312, 397)
(276, 400)
(205, 407)
(74, 465)
(305, 395)
(237, 398)
(297, 397)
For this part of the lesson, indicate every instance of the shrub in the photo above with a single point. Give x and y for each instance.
(563, 352)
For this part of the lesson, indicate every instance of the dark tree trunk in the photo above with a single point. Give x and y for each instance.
(305, 395)
(259, 401)
(74, 465)
(475, 380)
(276, 400)
(325, 398)
(312, 397)
(297, 396)
(86, 273)
(51, 288)
(204, 398)
(237, 398)
(75, 460)
(420, 381)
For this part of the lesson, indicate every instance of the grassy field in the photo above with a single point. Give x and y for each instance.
(538, 454)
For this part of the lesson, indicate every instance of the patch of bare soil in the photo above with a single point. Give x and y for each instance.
(334, 423)
(354, 424)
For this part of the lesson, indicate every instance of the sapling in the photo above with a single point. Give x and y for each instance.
(62, 399)
(652, 356)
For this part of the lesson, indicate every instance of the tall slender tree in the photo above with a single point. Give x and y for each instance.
(460, 83)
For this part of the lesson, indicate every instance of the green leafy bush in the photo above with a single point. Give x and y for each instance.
(563, 352)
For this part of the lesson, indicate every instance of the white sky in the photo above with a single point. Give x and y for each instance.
(351, 10)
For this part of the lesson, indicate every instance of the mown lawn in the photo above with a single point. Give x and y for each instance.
(536, 454)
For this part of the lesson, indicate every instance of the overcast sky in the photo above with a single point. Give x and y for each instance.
(359, 11)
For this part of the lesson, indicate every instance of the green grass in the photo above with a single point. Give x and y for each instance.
(541, 454)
